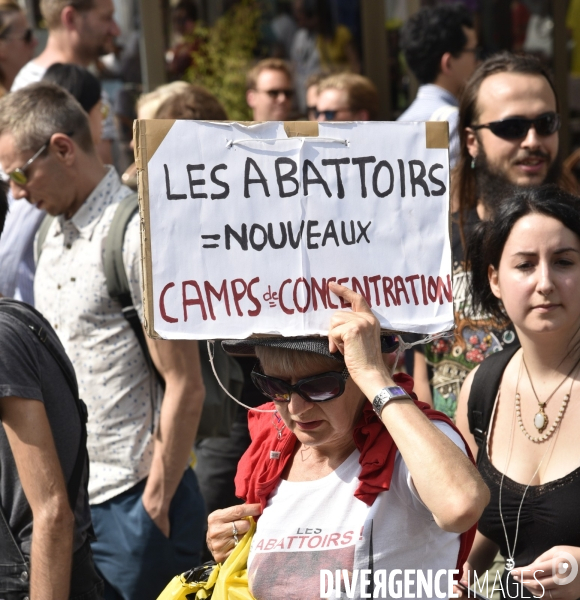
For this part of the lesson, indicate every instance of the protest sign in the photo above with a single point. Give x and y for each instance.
(245, 225)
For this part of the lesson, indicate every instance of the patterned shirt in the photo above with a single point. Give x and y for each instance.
(121, 394)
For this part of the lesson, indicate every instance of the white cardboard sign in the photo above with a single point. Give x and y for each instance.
(244, 226)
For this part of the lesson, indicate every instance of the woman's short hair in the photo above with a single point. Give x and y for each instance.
(80, 82)
(287, 362)
(192, 103)
(33, 114)
(148, 103)
(488, 238)
(360, 90)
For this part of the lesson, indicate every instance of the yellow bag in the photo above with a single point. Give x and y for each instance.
(227, 581)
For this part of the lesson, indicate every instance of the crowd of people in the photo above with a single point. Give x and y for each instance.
(122, 463)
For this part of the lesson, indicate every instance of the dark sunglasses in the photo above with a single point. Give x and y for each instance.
(275, 93)
(329, 115)
(318, 388)
(515, 128)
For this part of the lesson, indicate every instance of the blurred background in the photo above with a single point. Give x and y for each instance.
(214, 42)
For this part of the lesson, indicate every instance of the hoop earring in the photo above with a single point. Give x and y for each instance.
(278, 424)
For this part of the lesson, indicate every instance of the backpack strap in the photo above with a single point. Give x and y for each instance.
(116, 276)
(484, 391)
(38, 325)
(41, 235)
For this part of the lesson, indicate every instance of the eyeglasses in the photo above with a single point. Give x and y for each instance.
(26, 37)
(18, 175)
(514, 128)
(318, 388)
(288, 94)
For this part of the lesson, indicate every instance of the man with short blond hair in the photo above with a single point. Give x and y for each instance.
(270, 90)
(347, 97)
(148, 513)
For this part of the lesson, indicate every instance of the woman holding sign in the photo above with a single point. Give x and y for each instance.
(520, 409)
(352, 478)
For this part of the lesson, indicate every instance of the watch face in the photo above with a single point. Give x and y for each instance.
(396, 391)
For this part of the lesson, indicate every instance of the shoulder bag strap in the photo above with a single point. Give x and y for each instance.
(484, 391)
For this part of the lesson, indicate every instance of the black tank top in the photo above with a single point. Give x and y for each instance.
(550, 516)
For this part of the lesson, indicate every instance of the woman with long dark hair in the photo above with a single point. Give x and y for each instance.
(520, 409)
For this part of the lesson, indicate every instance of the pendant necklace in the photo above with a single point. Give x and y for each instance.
(510, 561)
(541, 418)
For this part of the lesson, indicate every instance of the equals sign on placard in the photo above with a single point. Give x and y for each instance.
(211, 237)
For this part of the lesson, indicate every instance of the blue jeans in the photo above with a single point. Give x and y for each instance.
(132, 555)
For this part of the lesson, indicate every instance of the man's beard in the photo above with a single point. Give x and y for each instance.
(493, 187)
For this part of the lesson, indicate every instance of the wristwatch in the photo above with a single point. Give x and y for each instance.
(386, 395)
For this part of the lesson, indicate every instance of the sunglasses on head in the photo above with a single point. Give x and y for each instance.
(514, 128)
(288, 94)
(318, 388)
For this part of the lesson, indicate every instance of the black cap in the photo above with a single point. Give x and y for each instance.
(317, 345)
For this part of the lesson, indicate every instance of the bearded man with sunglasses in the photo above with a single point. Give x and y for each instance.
(350, 472)
(508, 125)
(270, 90)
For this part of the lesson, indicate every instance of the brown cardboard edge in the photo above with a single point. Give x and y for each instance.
(436, 134)
(156, 130)
(141, 159)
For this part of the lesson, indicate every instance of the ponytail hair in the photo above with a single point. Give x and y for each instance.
(488, 238)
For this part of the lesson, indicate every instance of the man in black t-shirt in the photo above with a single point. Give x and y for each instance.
(508, 127)
(44, 545)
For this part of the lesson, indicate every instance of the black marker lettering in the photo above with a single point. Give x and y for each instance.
(288, 176)
(345, 240)
(260, 179)
(442, 189)
(310, 234)
(222, 184)
(330, 232)
(171, 196)
(309, 165)
(194, 182)
(402, 176)
(271, 239)
(383, 164)
(362, 162)
(336, 162)
(418, 179)
(242, 238)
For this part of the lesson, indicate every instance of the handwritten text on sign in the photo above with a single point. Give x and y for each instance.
(249, 226)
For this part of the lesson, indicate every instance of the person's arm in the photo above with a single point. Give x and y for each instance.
(30, 438)
(446, 480)
(178, 363)
(421, 378)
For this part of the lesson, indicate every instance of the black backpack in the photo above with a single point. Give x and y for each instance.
(484, 391)
(35, 324)
(218, 411)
